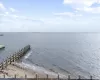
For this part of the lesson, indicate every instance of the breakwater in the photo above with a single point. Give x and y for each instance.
(15, 57)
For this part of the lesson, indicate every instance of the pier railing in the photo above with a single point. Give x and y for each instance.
(14, 57)
(48, 78)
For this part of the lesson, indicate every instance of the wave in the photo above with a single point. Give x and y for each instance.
(38, 69)
(34, 67)
(27, 55)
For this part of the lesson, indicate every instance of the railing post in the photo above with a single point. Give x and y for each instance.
(25, 76)
(36, 77)
(15, 76)
(90, 77)
(4, 76)
(68, 77)
(47, 76)
(58, 76)
(79, 77)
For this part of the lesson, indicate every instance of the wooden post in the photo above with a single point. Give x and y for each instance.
(17, 56)
(36, 77)
(22, 53)
(25, 76)
(47, 76)
(68, 77)
(4, 76)
(2, 66)
(13, 58)
(3, 63)
(6, 63)
(15, 76)
(90, 77)
(22, 49)
(19, 51)
(79, 77)
(58, 76)
(10, 60)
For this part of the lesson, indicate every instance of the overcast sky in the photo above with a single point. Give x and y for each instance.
(49, 15)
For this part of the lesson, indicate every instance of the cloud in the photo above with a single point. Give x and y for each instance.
(16, 23)
(84, 5)
(70, 14)
(11, 22)
(20, 18)
(2, 6)
(12, 10)
(19, 24)
(91, 10)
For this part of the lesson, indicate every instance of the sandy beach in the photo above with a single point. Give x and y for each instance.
(14, 70)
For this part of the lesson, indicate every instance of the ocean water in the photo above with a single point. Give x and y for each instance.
(65, 53)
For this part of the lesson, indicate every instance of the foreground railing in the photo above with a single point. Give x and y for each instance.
(46, 78)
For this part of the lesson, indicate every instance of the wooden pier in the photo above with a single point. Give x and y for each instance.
(14, 57)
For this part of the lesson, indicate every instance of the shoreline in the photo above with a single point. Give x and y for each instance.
(21, 71)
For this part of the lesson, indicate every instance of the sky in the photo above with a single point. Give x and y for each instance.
(49, 15)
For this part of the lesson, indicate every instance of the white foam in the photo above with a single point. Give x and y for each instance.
(27, 55)
(38, 69)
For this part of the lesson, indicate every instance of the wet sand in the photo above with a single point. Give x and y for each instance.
(14, 70)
